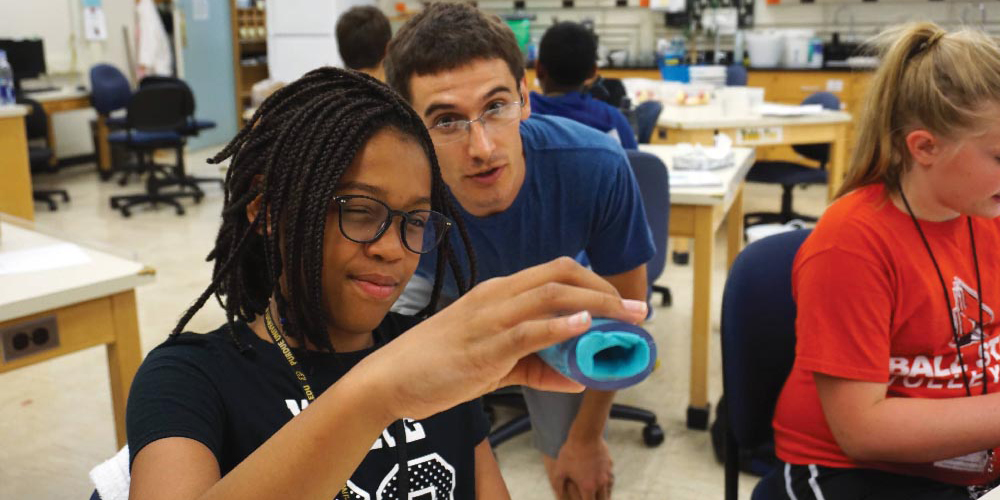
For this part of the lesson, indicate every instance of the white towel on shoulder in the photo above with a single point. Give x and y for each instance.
(111, 478)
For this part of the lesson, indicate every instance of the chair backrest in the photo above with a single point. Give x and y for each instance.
(609, 90)
(736, 75)
(156, 107)
(646, 115)
(653, 179)
(169, 80)
(37, 122)
(818, 152)
(758, 334)
(109, 89)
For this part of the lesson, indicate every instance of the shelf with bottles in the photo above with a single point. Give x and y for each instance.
(251, 25)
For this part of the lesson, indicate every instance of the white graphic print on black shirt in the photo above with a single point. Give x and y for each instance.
(201, 387)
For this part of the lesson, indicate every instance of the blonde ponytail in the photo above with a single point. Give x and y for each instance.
(928, 79)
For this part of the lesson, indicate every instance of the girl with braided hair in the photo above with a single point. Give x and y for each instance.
(312, 388)
(894, 390)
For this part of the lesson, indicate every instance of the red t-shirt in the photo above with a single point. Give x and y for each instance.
(871, 308)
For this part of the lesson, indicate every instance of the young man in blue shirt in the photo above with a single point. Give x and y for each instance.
(567, 59)
(530, 190)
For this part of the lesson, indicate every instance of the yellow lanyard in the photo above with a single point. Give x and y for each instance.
(279, 340)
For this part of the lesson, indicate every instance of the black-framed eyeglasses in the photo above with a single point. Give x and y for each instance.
(449, 130)
(364, 220)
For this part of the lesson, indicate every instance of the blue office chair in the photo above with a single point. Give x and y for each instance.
(646, 115)
(193, 125)
(36, 126)
(653, 179)
(155, 113)
(736, 75)
(790, 174)
(758, 349)
(611, 91)
(109, 93)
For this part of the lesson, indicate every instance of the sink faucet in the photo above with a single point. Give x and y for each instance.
(850, 14)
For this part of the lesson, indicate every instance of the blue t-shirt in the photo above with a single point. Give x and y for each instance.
(585, 109)
(578, 194)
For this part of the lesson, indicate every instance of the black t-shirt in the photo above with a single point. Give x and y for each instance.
(200, 386)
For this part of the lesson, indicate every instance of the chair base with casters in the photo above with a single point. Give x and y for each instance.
(157, 179)
(680, 258)
(39, 160)
(666, 299)
(48, 196)
(789, 175)
(153, 197)
(652, 433)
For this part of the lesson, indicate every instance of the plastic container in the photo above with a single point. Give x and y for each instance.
(711, 75)
(611, 355)
(522, 32)
(797, 48)
(816, 52)
(765, 49)
(6, 81)
(672, 71)
(671, 60)
(739, 44)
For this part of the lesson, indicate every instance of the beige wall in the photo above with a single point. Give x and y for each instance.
(59, 23)
(68, 56)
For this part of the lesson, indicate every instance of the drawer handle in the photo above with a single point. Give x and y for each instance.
(810, 88)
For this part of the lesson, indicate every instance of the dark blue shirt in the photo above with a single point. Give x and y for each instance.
(589, 111)
(578, 194)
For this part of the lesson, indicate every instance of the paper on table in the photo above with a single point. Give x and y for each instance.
(697, 157)
(42, 258)
(772, 109)
(694, 178)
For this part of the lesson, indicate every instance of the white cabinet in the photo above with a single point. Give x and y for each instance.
(301, 35)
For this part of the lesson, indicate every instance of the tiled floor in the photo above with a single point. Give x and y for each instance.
(55, 417)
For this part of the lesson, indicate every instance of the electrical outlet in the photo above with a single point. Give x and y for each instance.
(31, 337)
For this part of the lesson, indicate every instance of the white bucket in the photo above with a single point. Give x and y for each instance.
(765, 49)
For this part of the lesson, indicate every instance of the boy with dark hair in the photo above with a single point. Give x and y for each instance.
(567, 59)
(363, 32)
(530, 190)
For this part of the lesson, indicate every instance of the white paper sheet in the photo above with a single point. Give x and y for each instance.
(694, 178)
(95, 27)
(772, 109)
(43, 258)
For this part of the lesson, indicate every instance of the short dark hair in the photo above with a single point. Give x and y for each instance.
(568, 52)
(446, 36)
(362, 35)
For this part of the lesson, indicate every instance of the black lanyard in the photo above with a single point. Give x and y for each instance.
(398, 427)
(955, 322)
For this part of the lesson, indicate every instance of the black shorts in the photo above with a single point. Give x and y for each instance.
(814, 482)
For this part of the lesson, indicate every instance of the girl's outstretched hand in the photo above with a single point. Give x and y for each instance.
(487, 339)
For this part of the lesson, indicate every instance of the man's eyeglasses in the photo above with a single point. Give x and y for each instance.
(365, 220)
(448, 130)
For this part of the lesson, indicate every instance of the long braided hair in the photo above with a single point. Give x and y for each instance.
(291, 154)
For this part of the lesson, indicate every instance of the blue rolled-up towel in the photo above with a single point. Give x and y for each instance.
(610, 355)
